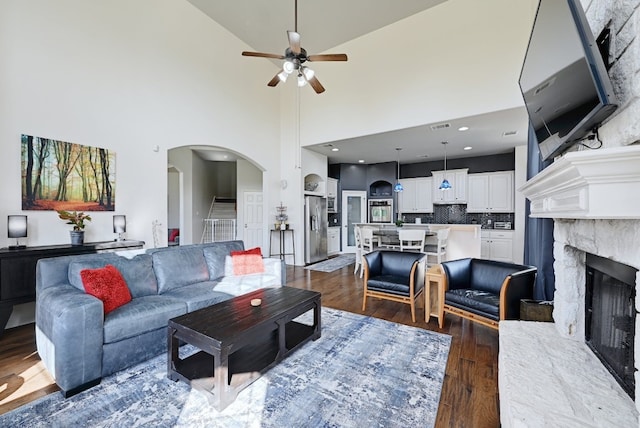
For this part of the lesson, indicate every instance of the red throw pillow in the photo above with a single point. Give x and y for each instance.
(255, 250)
(108, 285)
(247, 262)
(174, 234)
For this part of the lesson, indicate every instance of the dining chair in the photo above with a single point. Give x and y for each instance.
(367, 244)
(368, 240)
(358, 239)
(411, 240)
(439, 250)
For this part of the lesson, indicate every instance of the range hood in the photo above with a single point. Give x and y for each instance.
(588, 184)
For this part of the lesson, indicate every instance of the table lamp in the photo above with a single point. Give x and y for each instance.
(120, 226)
(17, 228)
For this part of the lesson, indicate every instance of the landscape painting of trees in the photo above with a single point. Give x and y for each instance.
(57, 175)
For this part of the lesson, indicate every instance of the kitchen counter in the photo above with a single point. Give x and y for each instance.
(464, 240)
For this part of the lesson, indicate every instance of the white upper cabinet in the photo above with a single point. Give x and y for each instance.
(332, 187)
(416, 196)
(491, 192)
(458, 192)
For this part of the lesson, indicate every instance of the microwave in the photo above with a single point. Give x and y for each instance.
(331, 205)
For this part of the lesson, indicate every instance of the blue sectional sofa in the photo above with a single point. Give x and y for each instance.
(79, 345)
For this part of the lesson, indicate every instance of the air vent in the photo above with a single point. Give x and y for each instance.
(544, 86)
(440, 126)
(509, 133)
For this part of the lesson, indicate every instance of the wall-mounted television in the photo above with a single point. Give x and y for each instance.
(564, 81)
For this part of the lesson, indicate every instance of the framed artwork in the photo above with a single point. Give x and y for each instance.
(57, 175)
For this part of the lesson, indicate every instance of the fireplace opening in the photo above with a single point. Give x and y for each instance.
(610, 317)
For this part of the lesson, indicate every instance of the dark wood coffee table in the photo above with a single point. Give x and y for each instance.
(238, 341)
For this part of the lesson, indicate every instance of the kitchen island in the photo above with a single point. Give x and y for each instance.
(464, 239)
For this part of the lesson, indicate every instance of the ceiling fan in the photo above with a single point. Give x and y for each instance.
(294, 59)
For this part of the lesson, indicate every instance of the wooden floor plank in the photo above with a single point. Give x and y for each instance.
(469, 394)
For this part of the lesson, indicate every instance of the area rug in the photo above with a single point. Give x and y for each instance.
(362, 372)
(334, 263)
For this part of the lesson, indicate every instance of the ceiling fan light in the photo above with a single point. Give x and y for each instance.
(283, 76)
(308, 73)
(301, 80)
(288, 67)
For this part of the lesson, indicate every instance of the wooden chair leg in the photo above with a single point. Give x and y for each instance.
(364, 301)
(413, 310)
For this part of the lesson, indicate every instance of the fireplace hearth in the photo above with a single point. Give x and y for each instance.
(587, 193)
(610, 317)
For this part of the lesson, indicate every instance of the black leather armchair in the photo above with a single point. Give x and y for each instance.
(485, 291)
(394, 275)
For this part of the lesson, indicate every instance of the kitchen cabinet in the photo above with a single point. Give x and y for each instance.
(458, 192)
(333, 240)
(491, 192)
(497, 245)
(416, 196)
(332, 187)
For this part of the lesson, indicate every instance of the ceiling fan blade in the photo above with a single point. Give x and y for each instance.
(262, 55)
(294, 42)
(316, 85)
(273, 82)
(327, 57)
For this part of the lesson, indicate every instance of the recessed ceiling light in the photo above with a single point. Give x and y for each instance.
(360, 160)
(468, 148)
(335, 149)
(463, 128)
(509, 133)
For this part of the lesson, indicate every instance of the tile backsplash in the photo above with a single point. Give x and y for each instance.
(457, 214)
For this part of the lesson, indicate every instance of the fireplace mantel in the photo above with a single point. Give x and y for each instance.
(593, 184)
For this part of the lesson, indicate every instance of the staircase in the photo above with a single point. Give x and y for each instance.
(220, 224)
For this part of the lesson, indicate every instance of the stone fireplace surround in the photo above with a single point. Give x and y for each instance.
(593, 198)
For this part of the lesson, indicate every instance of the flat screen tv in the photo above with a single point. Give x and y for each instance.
(564, 81)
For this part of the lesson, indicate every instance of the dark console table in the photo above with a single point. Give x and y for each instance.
(18, 269)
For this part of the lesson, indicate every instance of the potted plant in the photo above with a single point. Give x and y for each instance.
(77, 220)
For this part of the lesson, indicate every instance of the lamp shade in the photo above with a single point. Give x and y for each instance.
(445, 185)
(17, 226)
(119, 223)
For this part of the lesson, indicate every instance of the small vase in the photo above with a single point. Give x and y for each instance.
(77, 237)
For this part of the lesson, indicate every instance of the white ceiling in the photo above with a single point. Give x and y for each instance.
(262, 25)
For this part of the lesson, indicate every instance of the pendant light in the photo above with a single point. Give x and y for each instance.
(445, 185)
(398, 187)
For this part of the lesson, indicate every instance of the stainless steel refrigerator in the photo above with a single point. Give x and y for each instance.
(315, 229)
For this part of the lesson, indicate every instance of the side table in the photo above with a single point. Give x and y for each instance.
(434, 283)
(283, 246)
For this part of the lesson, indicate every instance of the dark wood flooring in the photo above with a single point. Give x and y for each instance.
(470, 390)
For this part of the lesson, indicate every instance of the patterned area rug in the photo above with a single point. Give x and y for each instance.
(362, 372)
(333, 264)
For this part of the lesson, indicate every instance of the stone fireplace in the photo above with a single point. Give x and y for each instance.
(593, 198)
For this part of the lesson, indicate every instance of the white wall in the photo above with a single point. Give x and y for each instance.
(129, 76)
(173, 195)
(126, 76)
(394, 76)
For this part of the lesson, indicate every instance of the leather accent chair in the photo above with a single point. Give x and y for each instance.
(485, 291)
(394, 275)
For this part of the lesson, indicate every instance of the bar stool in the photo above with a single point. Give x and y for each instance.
(439, 250)
(411, 240)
